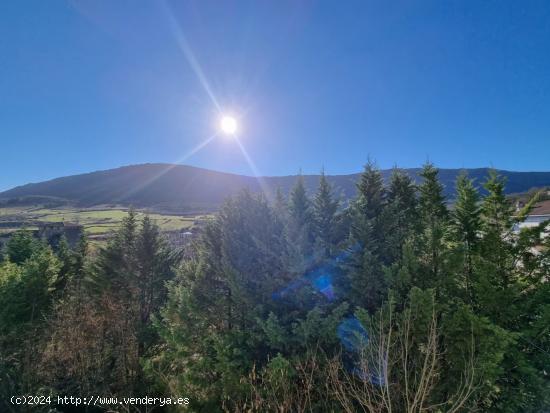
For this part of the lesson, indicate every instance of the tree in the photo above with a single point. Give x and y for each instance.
(155, 266)
(113, 269)
(496, 213)
(80, 255)
(257, 318)
(508, 294)
(128, 282)
(465, 227)
(26, 299)
(398, 368)
(324, 213)
(434, 215)
(300, 222)
(401, 211)
(401, 218)
(21, 246)
(497, 260)
(211, 321)
(66, 258)
(280, 206)
(27, 290)
(365, 270)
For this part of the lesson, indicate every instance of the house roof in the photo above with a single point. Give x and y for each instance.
(541, 208)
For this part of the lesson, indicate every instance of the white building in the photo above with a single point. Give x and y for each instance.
(539, 214)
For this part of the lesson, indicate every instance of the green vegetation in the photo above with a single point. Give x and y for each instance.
(393, 303)
(94, 221)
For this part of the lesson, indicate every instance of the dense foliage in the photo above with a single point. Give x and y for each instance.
(395, 301)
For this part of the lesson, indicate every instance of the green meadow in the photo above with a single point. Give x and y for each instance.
(96, 222)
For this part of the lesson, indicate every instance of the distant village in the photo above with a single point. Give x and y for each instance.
(52, 232)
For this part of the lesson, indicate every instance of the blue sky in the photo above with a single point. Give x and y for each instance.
(88, 85)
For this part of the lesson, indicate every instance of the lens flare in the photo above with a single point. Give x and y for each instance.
(363, 356)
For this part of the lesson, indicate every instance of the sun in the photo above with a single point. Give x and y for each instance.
(228, 125)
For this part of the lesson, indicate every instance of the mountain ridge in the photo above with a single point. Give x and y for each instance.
(184, 187)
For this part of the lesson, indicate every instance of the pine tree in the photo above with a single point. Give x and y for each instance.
(80, 256)
(497, 227)
(401, 218)
(280, 207)
(26, 300)
(155, 266)
(217, 301)
(508, 295)
(498, 282)
(497, 259)
(371, 195)
(434, 216)
(253, 247)
(368, 241)
(465, 227)
(115, 265)
(66, 257)
(300, 220)
(324, 213)
(401, 211)
(21, 246)
(368, 206)
(299, 204)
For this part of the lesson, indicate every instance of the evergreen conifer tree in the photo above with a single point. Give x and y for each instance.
(66, 258)
(324, 213)
(401, 211)
(155, 266)
(496, 213)
(434, 216)
(464, 228)
(368, 241)
(300, 219)
(21, 246)
(401, 218)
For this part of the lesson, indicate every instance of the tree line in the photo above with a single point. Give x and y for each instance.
(396, 301)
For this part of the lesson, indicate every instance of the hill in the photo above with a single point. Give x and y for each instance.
(188, 189)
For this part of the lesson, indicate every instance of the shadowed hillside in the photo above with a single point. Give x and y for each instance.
(186, 188)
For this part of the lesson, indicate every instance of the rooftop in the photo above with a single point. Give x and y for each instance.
(541, 208)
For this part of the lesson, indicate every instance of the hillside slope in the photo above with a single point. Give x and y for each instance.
(187, 188)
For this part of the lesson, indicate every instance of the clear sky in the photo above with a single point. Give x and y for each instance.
(88, 85)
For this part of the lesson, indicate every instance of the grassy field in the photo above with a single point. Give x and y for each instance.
(96, 222)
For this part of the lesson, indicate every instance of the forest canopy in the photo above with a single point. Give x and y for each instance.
(395, 301)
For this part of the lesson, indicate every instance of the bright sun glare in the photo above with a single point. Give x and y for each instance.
(228, 125)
